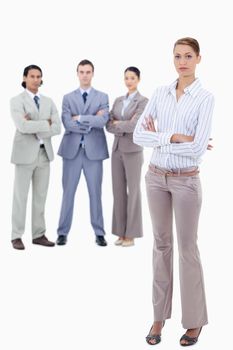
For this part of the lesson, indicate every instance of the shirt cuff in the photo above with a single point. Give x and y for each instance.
(166, 149)
(165, 138)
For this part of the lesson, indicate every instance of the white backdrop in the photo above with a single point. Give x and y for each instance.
(82, 296)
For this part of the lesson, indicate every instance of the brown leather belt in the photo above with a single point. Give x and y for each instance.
(179, 172)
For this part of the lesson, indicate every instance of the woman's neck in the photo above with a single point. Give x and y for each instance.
(130, 92)
(183, 82)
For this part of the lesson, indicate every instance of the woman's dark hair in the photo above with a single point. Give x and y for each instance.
(84, 63)
(135, 70)
(27, 69)
(190, 42)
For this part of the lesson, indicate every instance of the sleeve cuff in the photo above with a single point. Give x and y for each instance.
(165, 138)
(166, 149)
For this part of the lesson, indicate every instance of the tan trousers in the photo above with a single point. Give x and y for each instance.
(126, 177)
(38, 174)
(183, 195)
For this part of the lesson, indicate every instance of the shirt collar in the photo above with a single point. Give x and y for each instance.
(131, 96)
(87, 90)
(31, 94)
(192, 89)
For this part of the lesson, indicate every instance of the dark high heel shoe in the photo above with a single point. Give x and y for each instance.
(190, 340)
(156, 337)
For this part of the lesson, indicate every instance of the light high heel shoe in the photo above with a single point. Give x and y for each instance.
(128, 243)
(119, 241)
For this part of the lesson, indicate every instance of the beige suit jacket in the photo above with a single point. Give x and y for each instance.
(26, 144)
(123, 130)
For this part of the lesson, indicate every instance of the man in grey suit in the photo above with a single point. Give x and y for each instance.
(36, 120)
(85, 112)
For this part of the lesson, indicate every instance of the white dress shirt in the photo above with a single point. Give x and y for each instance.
(191, 115)
(87, 91)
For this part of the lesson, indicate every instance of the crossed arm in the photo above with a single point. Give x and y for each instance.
(23, 121)
(175, 138)
(170, 142)
(118, 127)
(82, 124)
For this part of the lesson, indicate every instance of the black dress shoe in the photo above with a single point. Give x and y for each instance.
(62, 239)
(100, 240)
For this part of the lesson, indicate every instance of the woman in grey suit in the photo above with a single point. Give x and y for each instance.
(127, 159)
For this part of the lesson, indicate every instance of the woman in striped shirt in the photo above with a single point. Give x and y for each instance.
(176, 123)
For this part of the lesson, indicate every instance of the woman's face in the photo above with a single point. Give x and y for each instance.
(131, 81)
(185, 60)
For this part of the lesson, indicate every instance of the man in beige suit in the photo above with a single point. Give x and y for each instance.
(36, 120)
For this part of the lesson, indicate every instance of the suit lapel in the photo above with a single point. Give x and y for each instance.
(130, 108)
(80, 102)
(28, 100)
(42, 105)
(119, 106)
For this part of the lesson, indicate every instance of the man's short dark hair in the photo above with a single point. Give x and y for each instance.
(85, 62)
(26, 71)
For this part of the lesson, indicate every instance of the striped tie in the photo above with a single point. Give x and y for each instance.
(36, 99)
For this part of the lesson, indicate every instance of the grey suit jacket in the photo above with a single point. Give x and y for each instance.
(26, 144)
(91, 125)
(123, 130)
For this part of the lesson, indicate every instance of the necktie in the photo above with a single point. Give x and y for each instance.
(36, 99)
(85, 94)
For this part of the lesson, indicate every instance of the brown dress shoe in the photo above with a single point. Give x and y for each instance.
(43, 241)
(18, 244)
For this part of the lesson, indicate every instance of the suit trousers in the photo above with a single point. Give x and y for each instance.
(37, 173)
(126, 178)
(93, 172)
(183, 195)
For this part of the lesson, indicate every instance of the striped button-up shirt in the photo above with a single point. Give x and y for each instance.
(191, 115)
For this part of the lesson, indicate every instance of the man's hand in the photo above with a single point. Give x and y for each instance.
(100, 113)
(149, 124)
(75, 117)
(27, 116)
(180, 138)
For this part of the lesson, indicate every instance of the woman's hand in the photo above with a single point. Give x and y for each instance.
(149, 124)
(180, 138)
(210, 147)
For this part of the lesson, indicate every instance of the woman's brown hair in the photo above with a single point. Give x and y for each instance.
(190, 42)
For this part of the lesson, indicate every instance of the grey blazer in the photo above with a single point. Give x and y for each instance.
(90, 125)
(123, 130)
(26, 144)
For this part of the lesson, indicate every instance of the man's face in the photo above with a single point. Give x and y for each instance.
(33, 80)
(85, 75)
